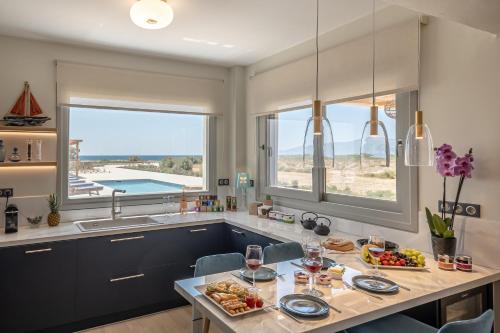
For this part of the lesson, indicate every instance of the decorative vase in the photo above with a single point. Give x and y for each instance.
(446, 246)
(53, 219)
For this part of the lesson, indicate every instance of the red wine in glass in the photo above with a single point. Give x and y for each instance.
(254, 264)
(376, 251)
(312, 266)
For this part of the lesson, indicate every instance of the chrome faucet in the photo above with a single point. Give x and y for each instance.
(113, 203)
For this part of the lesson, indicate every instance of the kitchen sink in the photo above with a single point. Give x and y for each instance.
(120, 223)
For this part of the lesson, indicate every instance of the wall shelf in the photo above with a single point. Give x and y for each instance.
(27, 129)
(27, 164)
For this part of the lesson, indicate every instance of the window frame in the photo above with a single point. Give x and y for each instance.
(63, 117)
(401, 214)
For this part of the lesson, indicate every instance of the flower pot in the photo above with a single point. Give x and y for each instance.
(446, 246)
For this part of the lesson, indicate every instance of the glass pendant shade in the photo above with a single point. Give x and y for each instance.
(374, 149)
(151, 14)
(374, 120)
(419, 148)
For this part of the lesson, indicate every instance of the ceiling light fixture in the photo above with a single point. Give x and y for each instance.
(151, 14)
(317, 116)
(419, 148)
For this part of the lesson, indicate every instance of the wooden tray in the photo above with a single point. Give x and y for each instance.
(203, 288)
(404, 268)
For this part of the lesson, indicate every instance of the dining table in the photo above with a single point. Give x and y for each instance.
(348, 306)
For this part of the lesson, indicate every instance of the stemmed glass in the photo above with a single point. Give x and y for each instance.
(254, 259)
(376, 248)
(313, 262)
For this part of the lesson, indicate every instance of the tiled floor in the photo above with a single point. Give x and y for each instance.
(175, 320)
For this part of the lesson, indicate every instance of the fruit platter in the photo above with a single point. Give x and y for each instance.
(231, 297)
(409, 259)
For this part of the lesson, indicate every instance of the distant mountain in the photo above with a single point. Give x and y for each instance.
(374, 147)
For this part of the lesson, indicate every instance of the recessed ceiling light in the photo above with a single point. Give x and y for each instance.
(151, 14)
(228, 46)
(211, 43)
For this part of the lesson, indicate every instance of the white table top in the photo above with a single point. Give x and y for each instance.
(357, 308)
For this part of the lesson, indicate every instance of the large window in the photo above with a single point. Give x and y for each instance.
(363, 165)
(148, 154)
(345, 172)
(291, 155)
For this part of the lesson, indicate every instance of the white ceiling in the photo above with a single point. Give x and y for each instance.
(224, 32)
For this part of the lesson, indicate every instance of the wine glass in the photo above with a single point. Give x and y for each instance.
(254, 259)
(376, 249)
(313, 262)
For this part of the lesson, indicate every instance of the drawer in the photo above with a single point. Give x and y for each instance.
(98, 295)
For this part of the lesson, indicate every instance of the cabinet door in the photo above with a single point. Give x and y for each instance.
(37, 286)
(240, 238)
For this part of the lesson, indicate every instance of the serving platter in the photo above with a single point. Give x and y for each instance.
(405, 268)
(203, 288)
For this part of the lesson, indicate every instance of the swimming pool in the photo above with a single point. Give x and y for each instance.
(141, 185)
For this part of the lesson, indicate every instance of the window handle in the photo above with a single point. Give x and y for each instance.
(399, 150)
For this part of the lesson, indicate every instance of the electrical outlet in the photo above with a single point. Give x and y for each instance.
(6, 192)
(223, 181)
(464, 209)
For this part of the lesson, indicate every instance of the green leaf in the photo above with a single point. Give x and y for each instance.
(447, 222)
(439, 224)
(448, 234)
(430, 221)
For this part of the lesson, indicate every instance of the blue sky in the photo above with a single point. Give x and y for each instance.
(110, 132)
(347, 121)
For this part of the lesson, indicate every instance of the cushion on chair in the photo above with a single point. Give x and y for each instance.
(397, 323)
(481, 324)
(218, 263)
(282, 252)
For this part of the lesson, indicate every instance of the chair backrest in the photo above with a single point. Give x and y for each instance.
(282, 252)
(218, 263)
(481, 324)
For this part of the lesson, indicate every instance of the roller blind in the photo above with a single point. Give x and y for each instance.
(345, 71)
(96, 86)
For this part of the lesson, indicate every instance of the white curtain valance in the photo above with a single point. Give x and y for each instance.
(99, 86)
(344, 71)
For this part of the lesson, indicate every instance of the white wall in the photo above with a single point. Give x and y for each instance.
(26, 60)
(460, 88)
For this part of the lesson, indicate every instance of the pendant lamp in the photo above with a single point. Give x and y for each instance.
(419, 148)
(374, 107)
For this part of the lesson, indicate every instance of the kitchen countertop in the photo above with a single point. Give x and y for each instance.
(68, 230)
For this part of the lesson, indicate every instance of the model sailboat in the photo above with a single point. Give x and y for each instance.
(26, 110)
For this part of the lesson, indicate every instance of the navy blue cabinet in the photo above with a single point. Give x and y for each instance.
(37, 286)
(77, 283)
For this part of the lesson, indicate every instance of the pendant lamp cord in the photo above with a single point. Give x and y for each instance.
(419, 46)
(317, 49)
(373, 52)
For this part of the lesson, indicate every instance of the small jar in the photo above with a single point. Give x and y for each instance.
(446, 262)
(464, 263)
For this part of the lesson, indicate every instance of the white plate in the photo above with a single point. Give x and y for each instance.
(405, 268)
(203, 288)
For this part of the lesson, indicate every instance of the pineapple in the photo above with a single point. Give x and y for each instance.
(54, 217)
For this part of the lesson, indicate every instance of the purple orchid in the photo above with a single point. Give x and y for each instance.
(449, 165)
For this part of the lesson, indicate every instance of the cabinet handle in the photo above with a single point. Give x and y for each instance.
(130, 277)
(38, 251)
(198, 230)
(192, 266)
(237, 231)
(126, 239)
